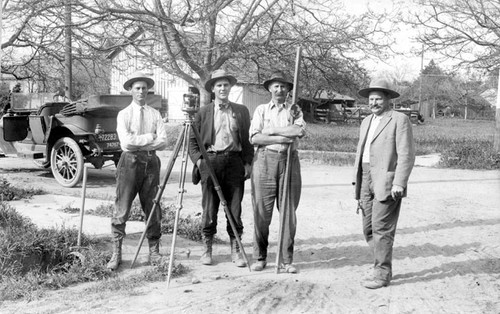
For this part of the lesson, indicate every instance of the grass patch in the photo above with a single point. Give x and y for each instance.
(464, 144)
(34, 260)
(10, 193)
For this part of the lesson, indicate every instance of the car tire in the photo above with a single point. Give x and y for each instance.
(66, 162)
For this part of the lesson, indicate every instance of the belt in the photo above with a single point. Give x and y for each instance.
(145, 152)
(224, 153)
(276, 151)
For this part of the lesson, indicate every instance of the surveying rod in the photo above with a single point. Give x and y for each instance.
(285, 201)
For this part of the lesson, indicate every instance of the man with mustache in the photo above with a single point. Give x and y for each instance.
(223, 127)
(384, 161)
(141, 132)
(275, 127)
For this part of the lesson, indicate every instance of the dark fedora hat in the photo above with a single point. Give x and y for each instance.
(279, 76)
(218, 75)
(381, 85)
(138, 76)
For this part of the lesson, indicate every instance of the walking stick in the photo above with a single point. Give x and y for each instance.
(285, 201)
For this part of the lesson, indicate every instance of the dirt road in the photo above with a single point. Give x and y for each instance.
(446, 255)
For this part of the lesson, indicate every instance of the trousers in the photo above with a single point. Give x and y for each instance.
(380, 219)
(268, 179)
(136, 173)
(230, 174)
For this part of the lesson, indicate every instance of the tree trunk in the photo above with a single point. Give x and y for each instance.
(205, 97)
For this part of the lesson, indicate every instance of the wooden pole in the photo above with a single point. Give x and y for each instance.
(68, 72)
(285, 201)
(496, 143)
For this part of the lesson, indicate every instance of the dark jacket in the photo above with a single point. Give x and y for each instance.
(204, 123)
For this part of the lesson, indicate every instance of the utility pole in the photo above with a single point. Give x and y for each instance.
(496, 143)
(68, 73)
(421, 74)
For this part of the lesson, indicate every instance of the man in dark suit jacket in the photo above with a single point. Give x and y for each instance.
(384, 160)
(223, 128)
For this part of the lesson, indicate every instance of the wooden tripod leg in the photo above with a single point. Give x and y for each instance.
(180, 195)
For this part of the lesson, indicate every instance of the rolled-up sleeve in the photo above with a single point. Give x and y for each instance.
(257, 124)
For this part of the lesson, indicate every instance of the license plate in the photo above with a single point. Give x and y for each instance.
(107, 137)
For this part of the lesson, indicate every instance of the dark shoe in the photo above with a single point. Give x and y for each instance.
(114, 262)
(289, 268)
(259, 265)
(116, 258)
(206, 257)
(375, 283)
(154, 252)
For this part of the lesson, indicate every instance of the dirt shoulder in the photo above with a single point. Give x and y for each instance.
(446, 254)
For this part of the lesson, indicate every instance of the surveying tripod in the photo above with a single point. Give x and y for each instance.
(183, 142)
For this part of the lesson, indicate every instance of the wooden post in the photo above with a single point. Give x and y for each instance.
(67, 51)
(496, 143)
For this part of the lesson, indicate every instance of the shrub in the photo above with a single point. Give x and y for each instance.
(470, 155)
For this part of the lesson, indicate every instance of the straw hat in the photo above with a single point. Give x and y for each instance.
(380, 85)
(280, 77)
(138, 76)
(217, 75)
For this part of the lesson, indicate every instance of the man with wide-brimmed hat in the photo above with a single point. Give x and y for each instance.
(275, 127)
(384, 161)
(141, 132)
(223, 127)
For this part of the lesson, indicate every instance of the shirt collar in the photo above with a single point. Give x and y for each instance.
(136, 106)
(272, 104)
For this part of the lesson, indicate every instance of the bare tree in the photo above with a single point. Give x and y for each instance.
(465, 30)
(34, 49)
(192, 38)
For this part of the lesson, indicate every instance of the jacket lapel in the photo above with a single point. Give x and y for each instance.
(383, 123)
(210, 120)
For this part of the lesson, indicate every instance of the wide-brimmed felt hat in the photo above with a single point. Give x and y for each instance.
(279, 76)
(381, 85)
(138, 76)
(218, 75)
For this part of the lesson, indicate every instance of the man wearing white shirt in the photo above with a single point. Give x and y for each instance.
(141, 132)
(384, 160)
(274, 127)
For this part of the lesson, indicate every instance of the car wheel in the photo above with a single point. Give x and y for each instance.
(66, 161)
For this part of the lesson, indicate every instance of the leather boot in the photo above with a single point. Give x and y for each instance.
(206, 258)
(116, 258)
(236, 255)
(154, 252)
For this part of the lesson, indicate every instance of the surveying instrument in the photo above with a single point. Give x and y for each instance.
(190, 105)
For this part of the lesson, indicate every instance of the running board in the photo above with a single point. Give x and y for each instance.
(30, 155)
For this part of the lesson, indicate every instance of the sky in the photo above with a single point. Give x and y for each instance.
(407, 65)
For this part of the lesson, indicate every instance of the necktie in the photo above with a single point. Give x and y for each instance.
(141, 122)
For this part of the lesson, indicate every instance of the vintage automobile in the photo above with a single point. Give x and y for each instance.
(66, 135)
